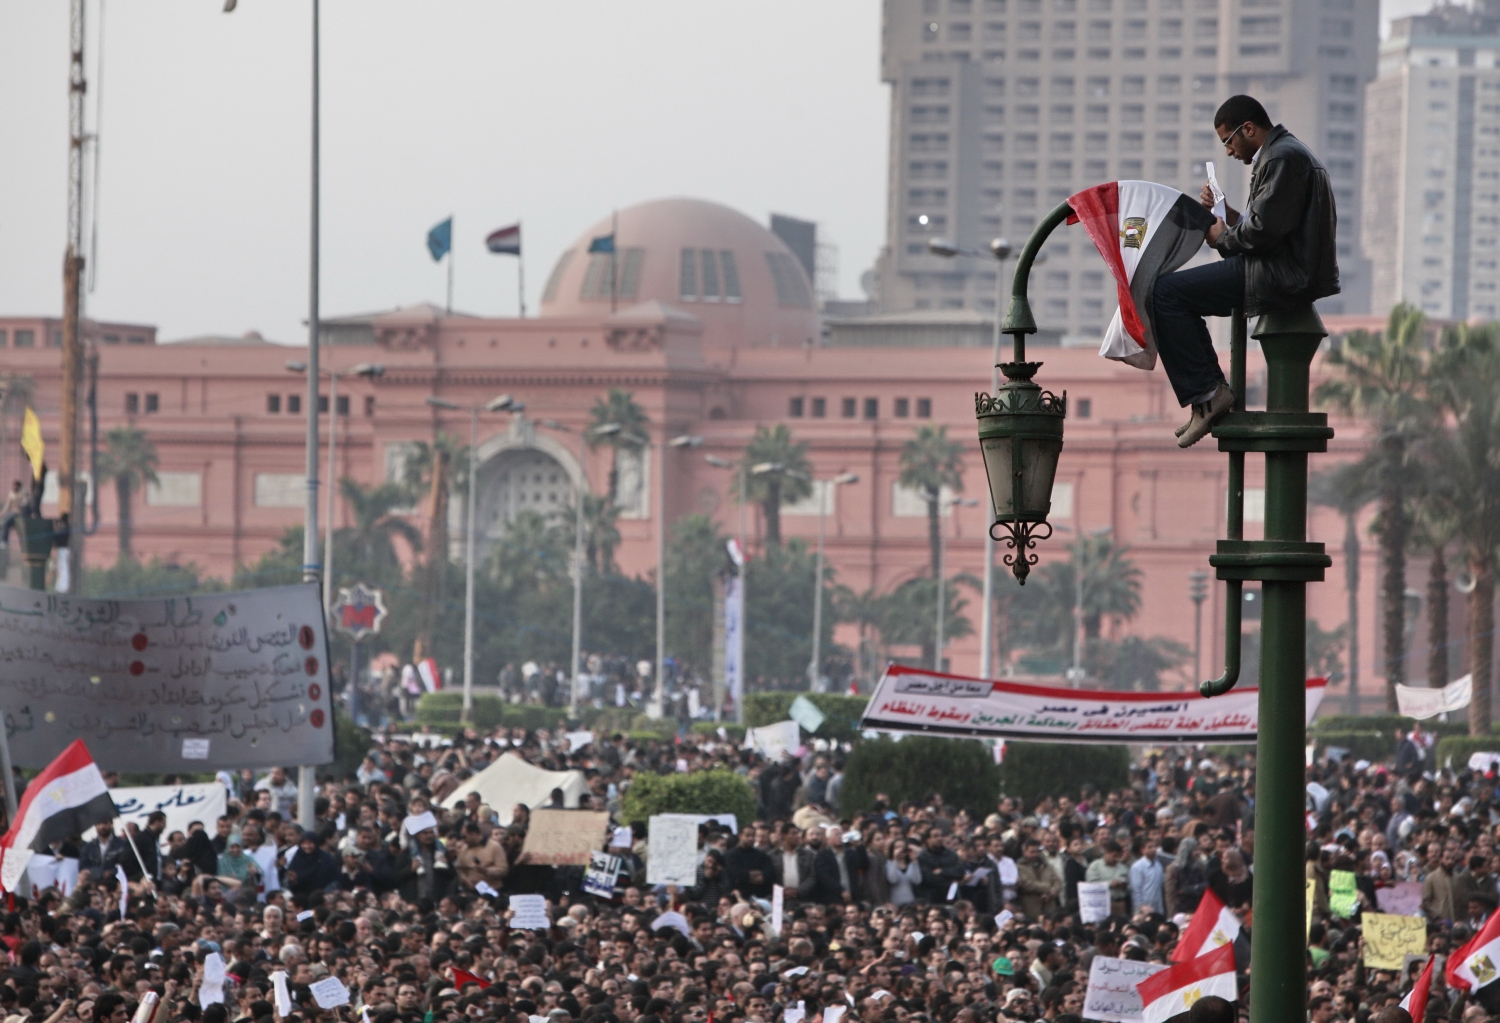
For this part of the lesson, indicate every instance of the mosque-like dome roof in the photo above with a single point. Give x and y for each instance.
(740, 280)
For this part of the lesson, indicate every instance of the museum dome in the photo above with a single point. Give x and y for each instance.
(736, 277)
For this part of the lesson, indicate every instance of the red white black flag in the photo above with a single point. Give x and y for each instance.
(66, 799)
(1142, 230)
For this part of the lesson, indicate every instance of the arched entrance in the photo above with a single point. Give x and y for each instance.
(518, 471)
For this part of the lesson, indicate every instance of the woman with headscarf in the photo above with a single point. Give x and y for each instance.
(1187, 878)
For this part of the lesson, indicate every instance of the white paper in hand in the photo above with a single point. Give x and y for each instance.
(1213, 185)
(833, 1013)
(330, 993)
(283, 997)
(211, 991)
(795, 1013)
(485, 888)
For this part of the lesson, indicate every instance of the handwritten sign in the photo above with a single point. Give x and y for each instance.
(913, 700)
(1093, 901)
(1343, 895)
(564, 837)
(182, 804)
(672, 850)
(1390, 939)
(1111, 994)
(1404, 898)
(529, 912)
(219, 680)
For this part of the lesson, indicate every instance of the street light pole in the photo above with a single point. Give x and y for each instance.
(724, 463)
(311, 569)
(822, 488)
(1000, 249)
(1198, 593)
(504, 403)
(942, 582)
(658, 701)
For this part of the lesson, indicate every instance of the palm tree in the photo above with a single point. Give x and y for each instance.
(431, 467)
(1381, 379)
(128, 458)
(909, 614)
(864, 611)
(1464, 381)
(377, 523)
(791, 479)
(930, 462)
(600, 534)
(1347, 489)
(618, 409)
(1433, 530)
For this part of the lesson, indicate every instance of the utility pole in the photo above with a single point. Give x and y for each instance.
(1198, 593)
(70, 495)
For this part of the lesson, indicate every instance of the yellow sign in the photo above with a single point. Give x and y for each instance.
(1390, 939)
(1312, 891)
(31, 442)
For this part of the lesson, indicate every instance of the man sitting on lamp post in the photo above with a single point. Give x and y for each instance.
(1278, 254)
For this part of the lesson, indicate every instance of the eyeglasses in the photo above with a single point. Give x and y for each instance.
(1225, 142)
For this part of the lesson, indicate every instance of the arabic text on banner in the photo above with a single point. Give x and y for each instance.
(199, 683)
(913, 700)
(1111, 993)
(183, 804)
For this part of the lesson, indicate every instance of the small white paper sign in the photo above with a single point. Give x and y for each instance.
(1002, 918)
(1093, 901)
(778, 904)
(283, 997)
(485, 888)
(211, 991)
(795, 1013)
(672, 851)
(806, 713)
(833, 1013)
(1111, 995)
(578, 740)
(529, 912)
(419, 822)
(621, 838)
(195, 749)
(329, 993)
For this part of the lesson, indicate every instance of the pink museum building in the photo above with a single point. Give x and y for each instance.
(713, 327)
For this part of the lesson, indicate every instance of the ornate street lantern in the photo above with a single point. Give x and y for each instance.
(1021, 427)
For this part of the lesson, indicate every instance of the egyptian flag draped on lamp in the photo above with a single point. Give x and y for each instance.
(66, 799)
(1142, 230)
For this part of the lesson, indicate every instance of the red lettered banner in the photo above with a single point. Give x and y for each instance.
(913, 700)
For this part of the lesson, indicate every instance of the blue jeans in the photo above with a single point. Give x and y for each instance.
(1182, 299)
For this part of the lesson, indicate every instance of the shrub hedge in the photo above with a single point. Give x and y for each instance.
(842, 712)
(1461, 747)
(1035, 769)
(716, 791)
(963, 770)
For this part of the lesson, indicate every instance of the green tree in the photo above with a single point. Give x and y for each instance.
(156, 578)
(865, 611)
(1347, 489)
(909, 614)
(695, 558)
(779, 613)
(432, 469)
(1464, 381)
(1134, 663)
(1111, 589)
(791, 480)
(963, 771)
(368, 547)
(1380, 378)
(618, 408)
(930, 462)
(600, 534)
(129, 459)
(1323, 649)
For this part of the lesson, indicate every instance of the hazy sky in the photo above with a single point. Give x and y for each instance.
(547, 111)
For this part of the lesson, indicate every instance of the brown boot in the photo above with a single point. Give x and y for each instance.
(1205, 415)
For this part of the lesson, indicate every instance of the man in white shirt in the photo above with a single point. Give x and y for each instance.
(283, 792)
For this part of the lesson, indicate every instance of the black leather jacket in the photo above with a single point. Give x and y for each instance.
(1287, 233)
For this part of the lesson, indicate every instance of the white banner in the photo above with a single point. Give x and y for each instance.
(1111, 994)
(913, 700)
(672, 850)
(46, 871)
(1422, 703)
(182, 804)
(771, 741)
(734, 630)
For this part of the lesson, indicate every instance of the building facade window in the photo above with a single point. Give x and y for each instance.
(132, 403)
(273, 404)
(819, 408)
(794, 408)
(850, 408)
(924, 408)
(901, 408)
(153, 403)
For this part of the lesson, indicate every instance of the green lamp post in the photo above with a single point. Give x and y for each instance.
(1021, 426)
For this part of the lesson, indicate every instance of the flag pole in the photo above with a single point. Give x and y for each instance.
(521, 271)
(450, 264)
(614, 247)
(10, 775)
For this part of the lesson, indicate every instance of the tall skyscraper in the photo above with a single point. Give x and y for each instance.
(1432, 165)
(1000, 109)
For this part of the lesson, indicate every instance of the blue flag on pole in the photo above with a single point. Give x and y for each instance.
(603, 243)
(440, 239)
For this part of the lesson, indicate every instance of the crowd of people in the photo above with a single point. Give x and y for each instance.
(914, 912)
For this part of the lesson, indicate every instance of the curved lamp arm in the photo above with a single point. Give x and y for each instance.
(1018, 319)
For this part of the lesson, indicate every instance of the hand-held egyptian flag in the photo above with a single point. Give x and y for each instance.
(427, 671)
(1474, 965)
(462, 977)
(1142, 230)
(1173, 991)
(66, 799)
(1213, 924)
(1415, 1001)
(505, 241)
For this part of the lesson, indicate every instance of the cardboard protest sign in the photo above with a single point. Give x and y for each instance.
(1390, 939)
(215, 680)
(672, 850)
(600, 878)
(1093, 901)
(564, 837)
(1343, 896)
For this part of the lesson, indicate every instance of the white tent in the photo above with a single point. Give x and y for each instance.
(511, 780)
